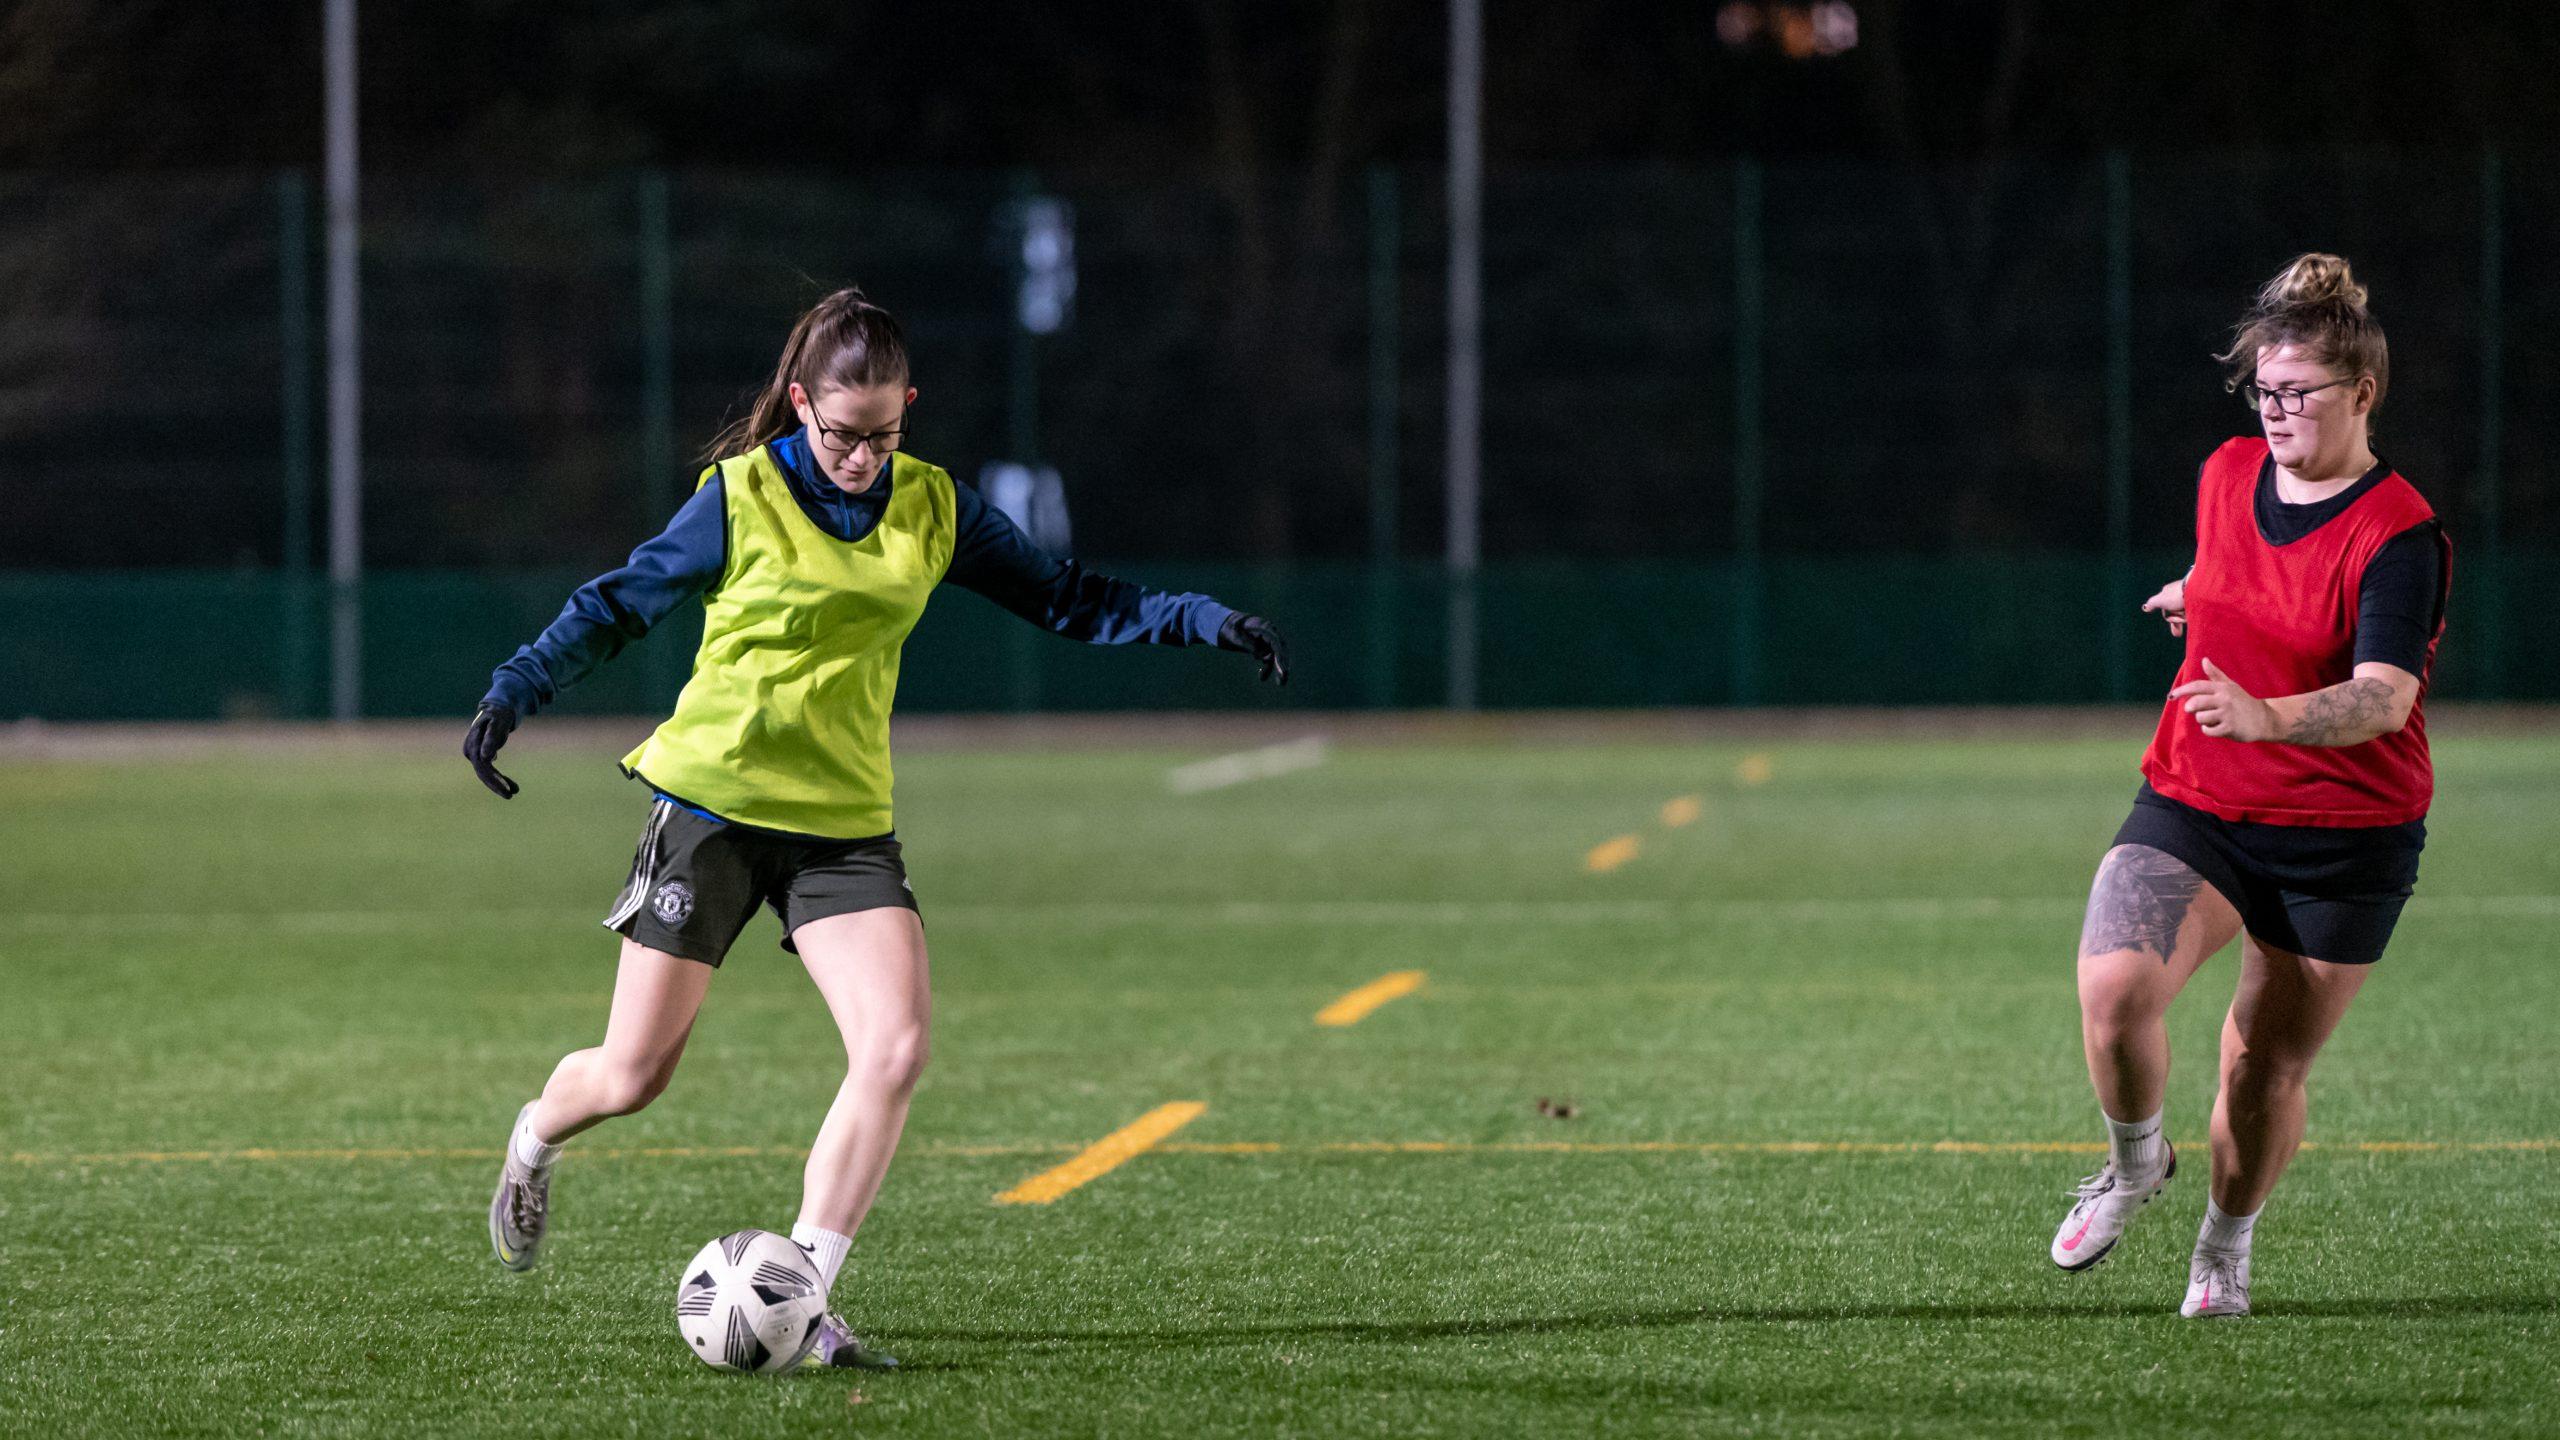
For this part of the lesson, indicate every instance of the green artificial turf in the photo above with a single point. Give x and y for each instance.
(359, 950)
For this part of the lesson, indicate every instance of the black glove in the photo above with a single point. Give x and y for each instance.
(489, 730)
(1254, 636)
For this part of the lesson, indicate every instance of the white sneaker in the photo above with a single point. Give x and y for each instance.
(2102, 1207)
(2217, 1284)
(520, 1211)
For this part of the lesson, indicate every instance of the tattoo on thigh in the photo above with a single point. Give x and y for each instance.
(2141, 898)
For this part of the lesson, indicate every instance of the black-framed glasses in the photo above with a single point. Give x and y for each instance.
(2287, 400)
(882, 442)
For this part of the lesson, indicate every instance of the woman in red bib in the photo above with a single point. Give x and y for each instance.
(2287, 785)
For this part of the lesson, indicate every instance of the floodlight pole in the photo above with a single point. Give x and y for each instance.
(1466, 329)
(2119, 587)
(346, 393)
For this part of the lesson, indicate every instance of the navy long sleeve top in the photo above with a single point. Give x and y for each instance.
(990, 556)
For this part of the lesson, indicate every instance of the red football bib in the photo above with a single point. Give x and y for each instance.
(2281, 620)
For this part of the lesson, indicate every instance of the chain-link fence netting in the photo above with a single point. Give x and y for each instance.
(1817, 431)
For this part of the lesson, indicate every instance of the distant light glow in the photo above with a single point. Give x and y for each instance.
(1799, 32)
(1045, 296)
(1738, 24)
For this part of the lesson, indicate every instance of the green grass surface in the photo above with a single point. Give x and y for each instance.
(305, 952)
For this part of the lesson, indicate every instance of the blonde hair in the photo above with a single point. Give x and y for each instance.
(2316, 304)
(842, 341)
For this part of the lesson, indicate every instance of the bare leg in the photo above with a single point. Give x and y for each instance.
(2286, 1009)
(655, 997)
(871, 968)
(2152, 923)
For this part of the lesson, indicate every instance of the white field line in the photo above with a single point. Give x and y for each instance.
(1244, 765)
(1246, 913)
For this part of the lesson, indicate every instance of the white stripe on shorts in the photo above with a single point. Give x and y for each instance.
(644, 871)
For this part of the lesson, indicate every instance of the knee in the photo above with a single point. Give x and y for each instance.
(627, 1084)
(891, 1059)
(2112, 1012)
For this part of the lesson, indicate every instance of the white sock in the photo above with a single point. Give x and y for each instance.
(2227, 1233)
(825, 1247)
(529, 1147)
(2137, 1146)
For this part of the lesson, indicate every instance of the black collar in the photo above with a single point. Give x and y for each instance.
(2281, 524)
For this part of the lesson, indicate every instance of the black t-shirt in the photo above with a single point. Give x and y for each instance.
(2396, 605)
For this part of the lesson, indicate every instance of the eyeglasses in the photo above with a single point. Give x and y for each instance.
(2288, 401)
(881, 441)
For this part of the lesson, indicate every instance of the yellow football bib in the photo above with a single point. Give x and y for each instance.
(785, 723)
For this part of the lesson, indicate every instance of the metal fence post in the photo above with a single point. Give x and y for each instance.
(346, 372)
(1750, 470)
(2118, 598)
(1466, 348)
(2486, 499)
(1385, 388)
(293, 342)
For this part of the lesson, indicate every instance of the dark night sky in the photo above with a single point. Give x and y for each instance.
(571, 84)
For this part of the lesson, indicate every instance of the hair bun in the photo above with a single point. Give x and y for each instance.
(2315, 279)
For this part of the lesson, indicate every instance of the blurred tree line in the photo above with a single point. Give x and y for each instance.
(1273, 109)
(1203, 84)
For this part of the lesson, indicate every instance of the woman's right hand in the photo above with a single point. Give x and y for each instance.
(489, 730)
(2171, 602)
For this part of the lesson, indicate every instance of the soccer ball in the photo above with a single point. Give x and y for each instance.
(751, 1301)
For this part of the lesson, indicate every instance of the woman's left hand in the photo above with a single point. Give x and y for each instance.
(2222, 708)
(1254, 636)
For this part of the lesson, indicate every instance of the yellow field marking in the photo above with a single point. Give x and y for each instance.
(1189, 1110)
(1755, 769)
(1354, 1007)
(1680, 811)
(1106, 1154)
(1608, 855)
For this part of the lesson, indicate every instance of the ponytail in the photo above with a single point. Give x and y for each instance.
(843, 341)
(2314, 303)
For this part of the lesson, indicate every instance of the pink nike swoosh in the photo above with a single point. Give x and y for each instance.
(2082, 1233)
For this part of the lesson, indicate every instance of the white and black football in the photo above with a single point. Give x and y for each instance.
(751, 1301)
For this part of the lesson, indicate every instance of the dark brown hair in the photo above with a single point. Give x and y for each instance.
(843, 341)
(2314, 303)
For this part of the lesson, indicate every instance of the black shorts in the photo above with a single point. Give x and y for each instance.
(2329, 893)
(695, 882)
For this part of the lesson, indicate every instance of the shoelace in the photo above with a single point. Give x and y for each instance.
(2093, 1186)
(2221, 1272)
(528, 1205)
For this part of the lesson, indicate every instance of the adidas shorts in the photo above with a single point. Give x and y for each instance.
(695, 882)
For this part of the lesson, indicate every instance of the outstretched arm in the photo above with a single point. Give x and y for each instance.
(619, 606)
(994, 558)
(604, 615)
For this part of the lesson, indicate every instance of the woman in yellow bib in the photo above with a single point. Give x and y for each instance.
(813, 543)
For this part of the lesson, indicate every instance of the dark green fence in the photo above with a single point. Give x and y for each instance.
(1754, 433)
(1870, 630)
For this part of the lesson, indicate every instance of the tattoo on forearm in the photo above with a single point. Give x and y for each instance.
(2344, 714)
(2140, 899)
